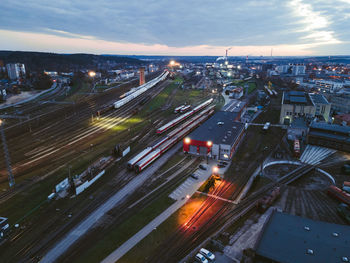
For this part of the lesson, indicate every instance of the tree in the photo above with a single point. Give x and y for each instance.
(43, 82)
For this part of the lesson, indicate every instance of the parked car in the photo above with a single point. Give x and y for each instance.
(207, 254)
(220, 165)
(223, 163)
(203, 167)
(195, 176)
(201, 258)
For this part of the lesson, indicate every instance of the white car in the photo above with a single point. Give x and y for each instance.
(201, 258)
(207, 254)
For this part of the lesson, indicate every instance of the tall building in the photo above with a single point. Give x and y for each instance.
(16, 70)
(298, 69)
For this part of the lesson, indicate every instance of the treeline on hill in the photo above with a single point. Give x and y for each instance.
(39, 61)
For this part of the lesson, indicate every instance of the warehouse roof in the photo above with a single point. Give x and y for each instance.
(221, 128)
(288, 238)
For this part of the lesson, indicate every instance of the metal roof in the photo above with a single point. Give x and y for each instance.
(221, 128)
(289, 239)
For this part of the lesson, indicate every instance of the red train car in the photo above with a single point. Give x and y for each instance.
(338, 194)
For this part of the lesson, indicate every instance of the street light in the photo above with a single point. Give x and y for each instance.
(92, 74)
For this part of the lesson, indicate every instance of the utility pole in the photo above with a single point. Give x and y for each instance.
(7, 156)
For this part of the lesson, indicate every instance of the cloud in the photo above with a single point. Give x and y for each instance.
(185, 23)
(65, 44)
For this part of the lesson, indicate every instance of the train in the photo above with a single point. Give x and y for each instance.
(266, 201)
(344, 211)
(141, 165)
(104, 110)
(147, 156)
(181, 118)
(270, 92)
(338, 194)
(346, 187)
(185, 108)
(132, 94)
(177, 109)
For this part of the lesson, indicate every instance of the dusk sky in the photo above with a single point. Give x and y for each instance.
(163, 27)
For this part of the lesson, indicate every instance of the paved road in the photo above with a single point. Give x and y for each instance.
(188, 191)
(82, 228)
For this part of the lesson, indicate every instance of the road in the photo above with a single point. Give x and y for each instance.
(77, 232)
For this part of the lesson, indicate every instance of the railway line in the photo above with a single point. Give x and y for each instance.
(132, 206)
(184, 241)
(58, 138)
(31, 251)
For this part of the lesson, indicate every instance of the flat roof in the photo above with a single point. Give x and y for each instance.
(318, 98)
(296, 97)
(221, 128)
(287, 239)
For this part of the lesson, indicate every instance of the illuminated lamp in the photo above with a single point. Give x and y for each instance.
(187, 140)
(209, 143)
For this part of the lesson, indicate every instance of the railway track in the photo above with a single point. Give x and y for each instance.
(180, 245)
(122, 180)
(55, 137)
(129, 208)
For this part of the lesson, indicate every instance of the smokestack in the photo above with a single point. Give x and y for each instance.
(142, 76)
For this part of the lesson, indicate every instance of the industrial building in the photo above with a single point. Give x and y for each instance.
(329, 135)
(16, 70)
(288, 238)
(301, 104)
(217, 138)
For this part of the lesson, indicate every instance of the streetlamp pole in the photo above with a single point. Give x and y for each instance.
(7, 156)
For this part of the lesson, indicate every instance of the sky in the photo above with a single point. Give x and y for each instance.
(177, 27)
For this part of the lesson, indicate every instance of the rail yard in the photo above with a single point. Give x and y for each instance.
(172, 169)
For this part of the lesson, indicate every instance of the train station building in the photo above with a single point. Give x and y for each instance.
(289, 238)
(217, 138)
